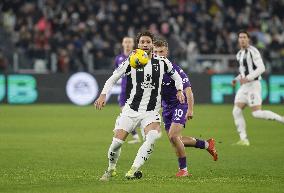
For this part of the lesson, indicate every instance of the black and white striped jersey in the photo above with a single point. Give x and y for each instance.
(250, 63)
(143, 88)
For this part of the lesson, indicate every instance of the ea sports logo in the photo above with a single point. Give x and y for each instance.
(82, 88)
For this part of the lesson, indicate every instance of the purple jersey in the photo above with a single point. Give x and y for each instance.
(122, 97)
(169, 90)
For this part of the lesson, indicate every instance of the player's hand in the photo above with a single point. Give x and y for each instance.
(189, 114)
(180, 96)
(100, 102)
(243, 81)
(234, 82)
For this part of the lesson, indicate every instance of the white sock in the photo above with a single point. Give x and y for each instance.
(114, 152)
(240, 122)
(146, 148)
(206, 144)
(269, 115)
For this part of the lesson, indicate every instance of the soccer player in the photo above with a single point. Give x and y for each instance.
(175, 114)
(127, 45)
(142, 105)
(250, 67)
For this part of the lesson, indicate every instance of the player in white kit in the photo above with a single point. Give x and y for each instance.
(250, 67)
(142, 105)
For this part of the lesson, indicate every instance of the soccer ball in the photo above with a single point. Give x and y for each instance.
(138, 58)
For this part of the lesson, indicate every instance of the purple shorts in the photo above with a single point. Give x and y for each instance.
(174, 115)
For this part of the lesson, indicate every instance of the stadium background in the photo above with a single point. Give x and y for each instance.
(51, 145)
(64, 37)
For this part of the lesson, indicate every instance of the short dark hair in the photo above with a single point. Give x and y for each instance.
(161, 43)
(243, 32)
(144, 33)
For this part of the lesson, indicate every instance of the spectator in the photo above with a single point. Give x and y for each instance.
(43, 27)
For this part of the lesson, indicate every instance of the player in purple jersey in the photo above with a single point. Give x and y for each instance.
(127, 45)
(175, 114)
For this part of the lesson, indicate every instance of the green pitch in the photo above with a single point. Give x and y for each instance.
(62, 148)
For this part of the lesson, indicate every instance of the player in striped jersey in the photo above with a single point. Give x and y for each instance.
(142, 106)
(250, 67)
(127, 45)
(176, 114)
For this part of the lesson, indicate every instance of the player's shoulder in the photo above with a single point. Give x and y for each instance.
(123, 63)
(238, 54)
(118, 56)
(157, 57)
(162, 59)
(179, 70)
(253, 50)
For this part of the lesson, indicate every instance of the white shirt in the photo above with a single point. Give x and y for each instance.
(145, 83)
(250, 63)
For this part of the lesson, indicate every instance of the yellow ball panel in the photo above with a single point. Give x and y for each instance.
(138, 58)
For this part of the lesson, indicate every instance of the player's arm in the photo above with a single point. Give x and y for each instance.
(178, 80)
(101, 101)
(260, 68)
(187, 90)
(190, 102)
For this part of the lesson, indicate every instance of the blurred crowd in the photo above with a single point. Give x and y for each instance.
(80, 32)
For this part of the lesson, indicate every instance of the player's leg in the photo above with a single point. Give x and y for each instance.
(209, 145)
(175, 119)
(114, 153)
(257, 112)
(123, 126)
(152, 129)
(240, 123)
(174, 135)
(115, 147)
(255, 102)
(241, 99)
(135, 135)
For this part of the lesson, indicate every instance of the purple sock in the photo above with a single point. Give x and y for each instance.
(200, 144)
(133, 132)
(182, 162)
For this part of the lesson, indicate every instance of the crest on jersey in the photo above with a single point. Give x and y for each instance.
(147, 84)
(156, 66)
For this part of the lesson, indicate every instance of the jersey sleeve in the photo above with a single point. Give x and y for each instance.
(121, 70)
(185, 80)
(174, 74)
(257, 60)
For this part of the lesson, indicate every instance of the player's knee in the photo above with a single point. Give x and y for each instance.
(236, 111)
(174, 138)
(152, 136)
(257, 114)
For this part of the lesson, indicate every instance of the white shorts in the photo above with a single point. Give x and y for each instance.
(250, 94)
(129, 120)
